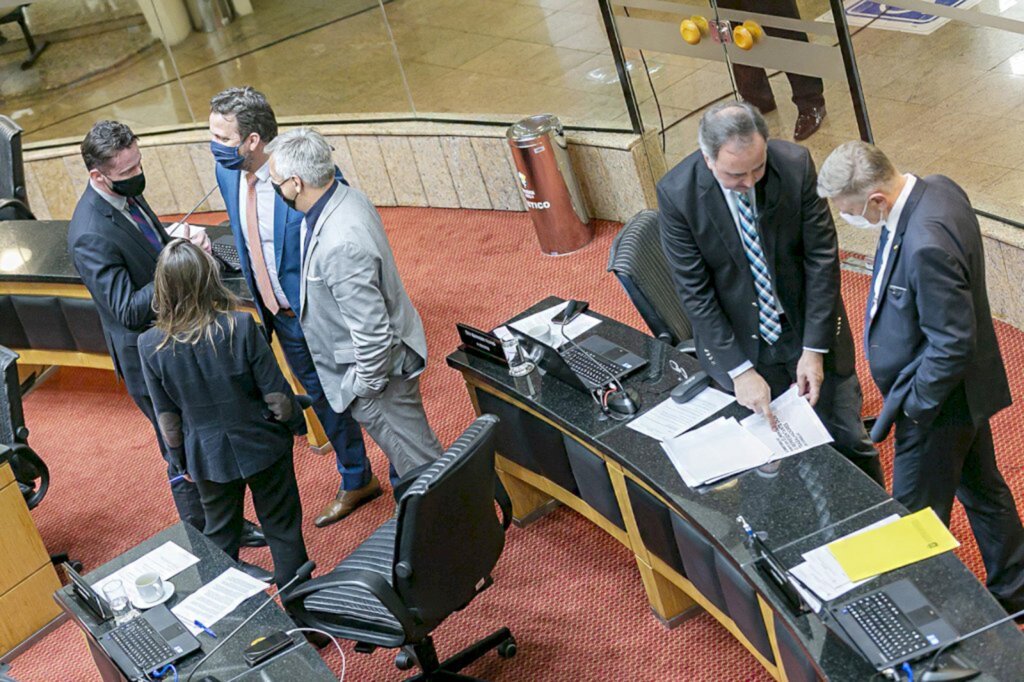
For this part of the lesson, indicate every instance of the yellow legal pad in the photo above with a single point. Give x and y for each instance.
(911, 539)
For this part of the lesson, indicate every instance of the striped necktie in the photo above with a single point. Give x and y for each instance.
(769, 322)
(135, 211)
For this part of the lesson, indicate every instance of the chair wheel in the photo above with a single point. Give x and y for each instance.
(403, 661)
(508, 648)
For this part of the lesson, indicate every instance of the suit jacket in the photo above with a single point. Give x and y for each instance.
(287, 250)
(116, 263)
(356, 315)
(215, 401)
(712, 274)
(933, 327)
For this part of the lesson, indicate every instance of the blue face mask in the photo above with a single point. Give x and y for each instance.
(226, 156)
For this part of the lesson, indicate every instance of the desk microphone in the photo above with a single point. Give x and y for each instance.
(304, 573)
(951, 673)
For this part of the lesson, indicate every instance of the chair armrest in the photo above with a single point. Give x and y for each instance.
(374, 583)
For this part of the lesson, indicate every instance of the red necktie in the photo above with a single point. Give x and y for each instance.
(259, 265)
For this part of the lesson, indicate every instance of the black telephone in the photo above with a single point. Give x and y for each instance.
(570, 312)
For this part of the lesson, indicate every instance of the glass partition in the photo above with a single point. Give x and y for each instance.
(153, 63)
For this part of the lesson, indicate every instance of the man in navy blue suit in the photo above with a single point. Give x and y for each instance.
(241, 124)
(932, 349)
(114, 239)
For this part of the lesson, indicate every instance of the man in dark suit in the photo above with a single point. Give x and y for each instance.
(242, 123)
(932, 348)
(114, 239)
(755, 260)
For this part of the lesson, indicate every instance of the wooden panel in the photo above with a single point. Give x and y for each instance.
(21, 549)
(6, 475)
(65, 358)
(45, 289)
(28, 607)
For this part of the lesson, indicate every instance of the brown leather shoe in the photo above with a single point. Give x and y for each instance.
(808, 122)
(347, 502)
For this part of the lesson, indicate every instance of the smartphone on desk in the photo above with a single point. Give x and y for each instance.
(570, 312)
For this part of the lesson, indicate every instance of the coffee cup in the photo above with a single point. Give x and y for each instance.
(149, 586)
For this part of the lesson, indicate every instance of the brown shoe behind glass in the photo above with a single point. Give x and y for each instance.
(808, 122)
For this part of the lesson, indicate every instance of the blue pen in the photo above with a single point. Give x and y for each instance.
(179, 477)
(205, 629)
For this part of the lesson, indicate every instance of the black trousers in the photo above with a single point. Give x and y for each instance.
(752, 81)
(185, 494)
(954, 457)
(275, 495)
(839, 403)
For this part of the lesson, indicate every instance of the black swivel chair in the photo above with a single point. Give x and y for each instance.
(637, 260)
(428, 561)
(30, 471)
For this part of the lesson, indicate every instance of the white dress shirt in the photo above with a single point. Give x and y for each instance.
(265, 201)
(891, 222)
(734, 211)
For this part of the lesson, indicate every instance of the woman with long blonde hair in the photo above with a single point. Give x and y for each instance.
(225, 410)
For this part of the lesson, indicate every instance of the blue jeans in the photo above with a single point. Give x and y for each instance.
(342, 430)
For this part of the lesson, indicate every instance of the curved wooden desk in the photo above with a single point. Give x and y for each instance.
(690, 552)
(48, 317)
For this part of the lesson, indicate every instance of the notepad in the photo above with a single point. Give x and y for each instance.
(909, 540)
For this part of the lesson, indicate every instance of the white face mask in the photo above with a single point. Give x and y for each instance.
(862, 223)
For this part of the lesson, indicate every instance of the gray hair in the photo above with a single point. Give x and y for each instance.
(727, 122)
(303, 153)
(250, 109)
(854, 169)
(104, 141)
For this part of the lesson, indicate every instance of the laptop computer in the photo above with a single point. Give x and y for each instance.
(143, 644)
(893, 624)
(588, 365)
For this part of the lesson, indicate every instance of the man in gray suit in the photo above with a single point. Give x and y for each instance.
(365, 336)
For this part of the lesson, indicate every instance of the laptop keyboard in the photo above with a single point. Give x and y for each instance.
(886, 625)
(227, 253)
(590, 367)
(142, 644)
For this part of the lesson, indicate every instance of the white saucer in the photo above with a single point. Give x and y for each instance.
(138, 603)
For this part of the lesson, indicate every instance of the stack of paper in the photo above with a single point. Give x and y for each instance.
(715, 451)
(726, 447)
(540, 326)
(216, 599)
(167, 561)
(821, 572)
(909, 540)
(670, 418)
(797, 427)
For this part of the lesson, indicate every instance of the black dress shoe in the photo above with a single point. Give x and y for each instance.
(255, 571)
(252, 535)
(808, 122)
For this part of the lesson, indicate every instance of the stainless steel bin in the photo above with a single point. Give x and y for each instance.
(549, 187)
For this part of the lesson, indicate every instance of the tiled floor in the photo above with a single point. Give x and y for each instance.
(952, 102)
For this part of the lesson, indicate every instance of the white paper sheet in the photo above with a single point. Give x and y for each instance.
(715, 451)
(217, 598)
(822, 573)
(670, 418)
(540, 326)
(167, 561)
(798, 427)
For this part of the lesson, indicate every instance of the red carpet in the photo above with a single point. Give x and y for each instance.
(571, 595)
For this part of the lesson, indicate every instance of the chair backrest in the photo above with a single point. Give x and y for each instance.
(637, 260)
(448, 537)
(13, 195)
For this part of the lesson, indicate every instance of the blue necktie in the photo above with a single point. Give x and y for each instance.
(135, 211)
(769, 322)
(879, 252)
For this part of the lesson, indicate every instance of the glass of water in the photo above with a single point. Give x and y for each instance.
(117, 597)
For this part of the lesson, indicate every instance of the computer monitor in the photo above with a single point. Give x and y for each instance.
(12, 173)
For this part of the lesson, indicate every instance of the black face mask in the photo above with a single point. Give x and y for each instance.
(290, 203)
(129, 187)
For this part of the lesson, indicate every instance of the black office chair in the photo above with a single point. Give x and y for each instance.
(30, 471)
(428, 561)
(637, 260)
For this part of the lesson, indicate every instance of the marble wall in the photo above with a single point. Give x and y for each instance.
(423, 163)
